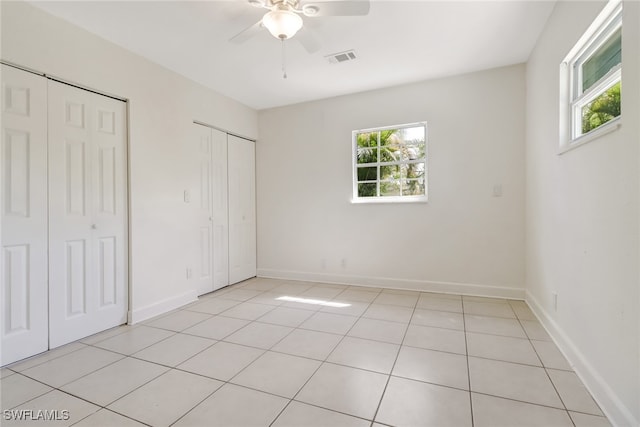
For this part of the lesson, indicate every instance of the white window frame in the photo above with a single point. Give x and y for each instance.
(389, 199)
(574, 99)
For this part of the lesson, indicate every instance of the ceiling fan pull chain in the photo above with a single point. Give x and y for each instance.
(284, 63)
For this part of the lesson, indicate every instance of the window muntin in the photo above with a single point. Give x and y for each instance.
(596, 75)
(390, 163)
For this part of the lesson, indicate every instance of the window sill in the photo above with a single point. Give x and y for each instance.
(605, 129)
(385, 200)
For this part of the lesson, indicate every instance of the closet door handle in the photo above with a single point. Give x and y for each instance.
(93, 227)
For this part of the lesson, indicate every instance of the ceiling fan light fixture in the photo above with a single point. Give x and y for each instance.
(282, 24)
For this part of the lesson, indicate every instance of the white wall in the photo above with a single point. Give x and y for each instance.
(162, 107)
(582, 220)
(462, 240)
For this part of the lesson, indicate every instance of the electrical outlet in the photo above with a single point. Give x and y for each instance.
(497, 190)
(343, 263)
(554, 295)
(187, 196)
(188, 273)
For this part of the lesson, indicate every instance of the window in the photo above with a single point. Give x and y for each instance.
(390, 164)
(593, 71)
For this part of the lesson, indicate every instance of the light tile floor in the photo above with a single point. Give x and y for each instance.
(242, 357)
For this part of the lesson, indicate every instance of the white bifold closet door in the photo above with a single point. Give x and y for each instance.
(220, 208)
(24, 320)
(242, 209)
(226, 213)
(212, 260)
(64, 214)
(87, 213)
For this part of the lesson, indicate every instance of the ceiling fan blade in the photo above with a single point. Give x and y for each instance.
(308, 40)
(336, 8)
(247, 33)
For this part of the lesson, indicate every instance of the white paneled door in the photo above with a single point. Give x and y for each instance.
(23, 157)
(211, 262)
(203, 274)
(87, 213)
(226, 209)
(242, 209)
(219, 209)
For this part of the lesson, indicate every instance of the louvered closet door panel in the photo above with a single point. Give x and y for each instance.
(87, 213)
(242, 209)
(24, 324)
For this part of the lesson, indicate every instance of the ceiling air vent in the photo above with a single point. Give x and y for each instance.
(336, 58)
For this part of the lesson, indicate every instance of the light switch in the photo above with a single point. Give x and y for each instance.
(497, 190)
(187, 196)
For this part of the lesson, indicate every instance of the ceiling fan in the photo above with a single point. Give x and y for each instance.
(284, 18)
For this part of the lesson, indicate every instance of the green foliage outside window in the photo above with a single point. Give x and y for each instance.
(394, 160)
(604, 108)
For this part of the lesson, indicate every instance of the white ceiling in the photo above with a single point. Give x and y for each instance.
(397, 42)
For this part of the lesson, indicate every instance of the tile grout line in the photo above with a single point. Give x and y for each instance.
(179, 370)
(100, 406)
(325, 361)
(197, 404)
(322, 362)
(384, 391)
(547, 374)
(167, 371)
(185, 360)
(466, 350)
(528, 403)
(190, 326)
(80, 377)
(45, 361)
(264, 352)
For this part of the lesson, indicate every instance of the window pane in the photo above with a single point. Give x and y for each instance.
(367, 155)
(603, 109)
(390, 188)
(368, 173)
(413, 135)
(421, 150)
(390, 154)
(602, 61)
(413, 187)
(411, 152)
(367, 189)
(413, 170)
(391, 171)
(369, 139)
(389, 137)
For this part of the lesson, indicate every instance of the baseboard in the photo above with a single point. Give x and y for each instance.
(403, 284)
(605, 396)
(148, 311)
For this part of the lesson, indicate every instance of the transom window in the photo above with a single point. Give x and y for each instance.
(595, 74)
(390, 164)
